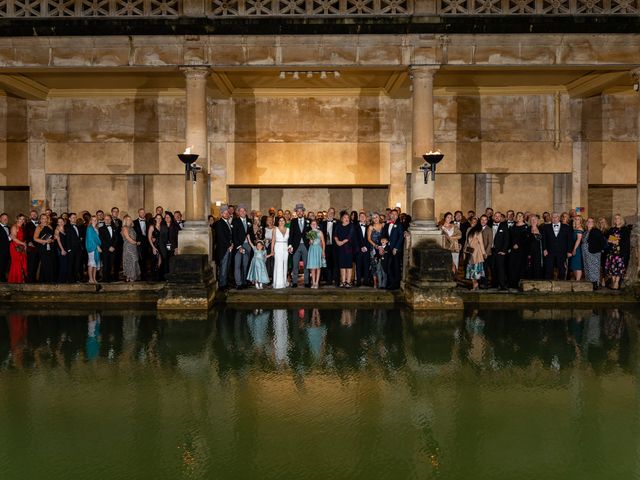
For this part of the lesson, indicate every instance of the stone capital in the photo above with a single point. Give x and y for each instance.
(423, 72)
(196, 73)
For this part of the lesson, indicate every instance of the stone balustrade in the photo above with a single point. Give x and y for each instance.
(310, 8)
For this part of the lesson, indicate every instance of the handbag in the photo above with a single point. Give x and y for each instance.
(20, 248)
(469, 250)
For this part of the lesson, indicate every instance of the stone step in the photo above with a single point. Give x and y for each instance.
(555, 286)
(324, 295)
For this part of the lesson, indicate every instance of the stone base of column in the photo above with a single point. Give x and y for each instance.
(195, 238)
(190, 281)
(429, 282)
(425, 230)
(632, 278)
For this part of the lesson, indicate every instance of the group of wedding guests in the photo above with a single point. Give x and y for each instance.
(47, 248)
(251, 248)
(496, 249)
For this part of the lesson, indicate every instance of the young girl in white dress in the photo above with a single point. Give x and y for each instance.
(258, 269)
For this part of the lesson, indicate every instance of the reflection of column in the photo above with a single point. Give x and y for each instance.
(422, 201)
(197, 204)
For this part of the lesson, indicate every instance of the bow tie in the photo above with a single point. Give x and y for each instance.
(391, 223)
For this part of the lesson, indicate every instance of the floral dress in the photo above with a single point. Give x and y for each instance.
(614, 264)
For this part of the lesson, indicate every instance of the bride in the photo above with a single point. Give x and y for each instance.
(279, 249)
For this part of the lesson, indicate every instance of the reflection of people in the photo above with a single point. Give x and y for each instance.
(316, 335)
(280, 336)
(258, 322)
(93, 336)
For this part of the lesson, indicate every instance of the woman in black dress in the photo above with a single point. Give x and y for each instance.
(519, 241)
(153, 235)
(43, 236)
(168, 241)
(61, 250)
(536, 256)
(343, 237)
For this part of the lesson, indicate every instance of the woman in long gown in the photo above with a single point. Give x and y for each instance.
(18, 251)
(593, 242)
(43, 236)
(130, 264)
(279, 249)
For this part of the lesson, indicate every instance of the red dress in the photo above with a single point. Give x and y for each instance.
(18, 269)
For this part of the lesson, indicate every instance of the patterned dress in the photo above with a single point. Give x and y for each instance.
(591, 261)
(614, 264)
(130, 264)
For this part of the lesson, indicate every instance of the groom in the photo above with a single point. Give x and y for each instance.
(299, 245)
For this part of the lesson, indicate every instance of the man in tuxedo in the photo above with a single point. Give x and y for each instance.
(299, 245)
(556, 247)
(140, 227)
(5, 239)
(223, 248)
(331, 257)
(489, 213)
(511, 218)
(109, 242)
(117, 224)
(177, 215)
(499, 251)
(33, 258)
(75, 240)
(393, 231)
(100, 217)
(242, 227)
(363, 257)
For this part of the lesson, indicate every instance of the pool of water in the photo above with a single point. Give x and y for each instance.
(316, 394)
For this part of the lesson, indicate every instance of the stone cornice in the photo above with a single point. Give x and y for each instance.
(116, 92)
(23, 87)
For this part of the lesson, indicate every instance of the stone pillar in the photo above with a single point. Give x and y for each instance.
(580, 178)
(422, 195)
(633, 272)
(561, 192)
(197, 201)
(37, 121)
(484, 192)
(195, 236)
(58, 192)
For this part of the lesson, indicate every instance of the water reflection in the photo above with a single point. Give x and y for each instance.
(340, 341)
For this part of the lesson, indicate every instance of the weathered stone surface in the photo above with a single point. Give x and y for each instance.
(581, 287)
(535, 285)
(561, 287)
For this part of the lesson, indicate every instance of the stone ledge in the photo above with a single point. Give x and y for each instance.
(554, 286)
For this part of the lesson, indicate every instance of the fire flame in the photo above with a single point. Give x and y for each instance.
(437, 152)
(187, 151)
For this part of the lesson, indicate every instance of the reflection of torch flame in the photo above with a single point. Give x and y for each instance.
(187, 151)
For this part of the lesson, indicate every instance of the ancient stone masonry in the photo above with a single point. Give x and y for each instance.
(537, 7)
(89, 8)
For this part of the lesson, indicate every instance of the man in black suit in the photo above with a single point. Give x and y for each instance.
(394, 232)
(328, 230)
(223, 248)
(75, 240)
(363, 257)
(33, 258)
(109, 243)
(556, 247)
(140, 227)
(499, 251)
(5, 255)
(299, 245)
(242, 227)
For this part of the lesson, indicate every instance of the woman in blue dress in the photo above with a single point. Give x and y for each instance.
(344, 237)
(315, 255)
(575, 262)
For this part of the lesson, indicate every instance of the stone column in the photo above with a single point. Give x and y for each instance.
(633, 272)
(197, 204)
(195, 236)
(422, 195)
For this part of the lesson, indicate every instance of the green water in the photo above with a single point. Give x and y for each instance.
(308, 394)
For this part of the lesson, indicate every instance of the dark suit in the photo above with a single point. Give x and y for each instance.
(168, 244)
(107, 241)
(499, 255)
(395, 235)
(33, 258)
(241, 260)
(299, 242)
(75, 242)
(143, 248)
(5, 255)
(557, 248)
(331, 256)
(223, 236)
(363, 259)
(117, 258)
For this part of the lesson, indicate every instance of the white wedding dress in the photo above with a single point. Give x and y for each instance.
(280, 258)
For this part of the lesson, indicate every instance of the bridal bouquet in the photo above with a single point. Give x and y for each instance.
(312, 235)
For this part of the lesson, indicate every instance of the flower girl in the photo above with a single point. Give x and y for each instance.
(258, 268)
